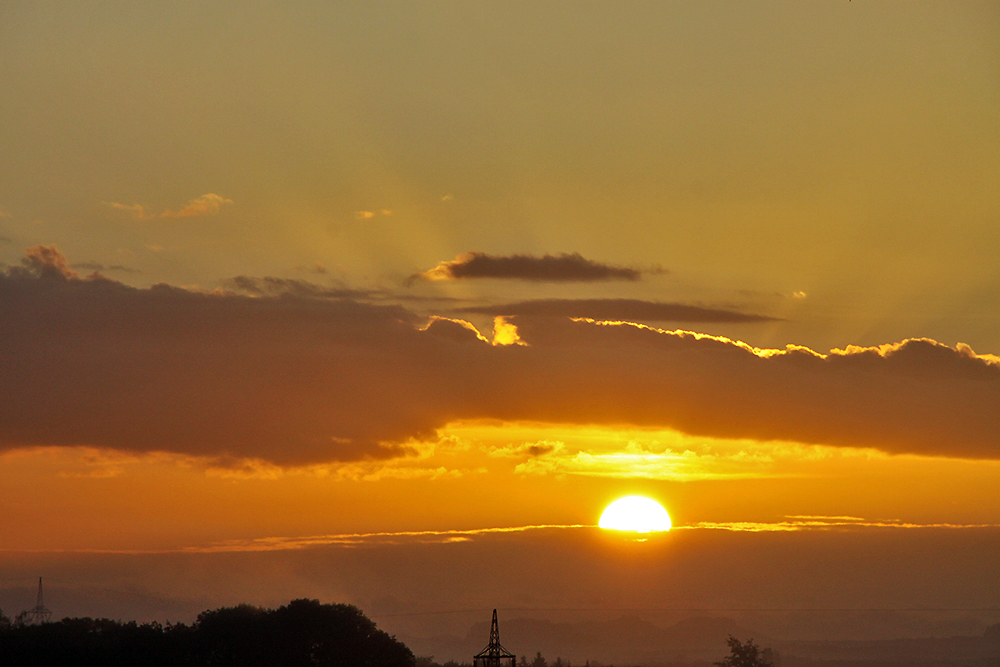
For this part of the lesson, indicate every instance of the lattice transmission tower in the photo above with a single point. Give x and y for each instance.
(40, 614)
(494, 655)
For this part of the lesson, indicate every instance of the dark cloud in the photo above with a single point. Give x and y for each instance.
(631, 310)
(547, 268)
(293, 379)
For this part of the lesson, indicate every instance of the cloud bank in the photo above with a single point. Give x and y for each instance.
(628, 310)
(547, 268)
(295, 379)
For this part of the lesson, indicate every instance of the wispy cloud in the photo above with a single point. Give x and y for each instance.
(445, 537)
(547, 268)
(137, 211)
(357, 539)
(821, 523)
(94, 266)
(207, 204)
(638, 461)
(269, 286)
(630, 310)
(368, 215)
(530, 449)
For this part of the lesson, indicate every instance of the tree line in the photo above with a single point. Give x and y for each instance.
(299, 634)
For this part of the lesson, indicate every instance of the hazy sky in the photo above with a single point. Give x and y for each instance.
(281, 270)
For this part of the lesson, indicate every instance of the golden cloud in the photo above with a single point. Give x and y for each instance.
(207, 204)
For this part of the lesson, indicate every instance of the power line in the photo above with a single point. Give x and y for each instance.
(693, 610)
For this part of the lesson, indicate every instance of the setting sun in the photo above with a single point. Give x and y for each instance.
(637, 514)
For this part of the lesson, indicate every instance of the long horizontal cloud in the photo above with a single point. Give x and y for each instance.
(94, 266)
(547, 268)
(302, 288)
(296, 379)
(630, 310)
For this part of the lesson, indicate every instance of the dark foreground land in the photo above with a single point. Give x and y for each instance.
(302, 633)
(306, 632)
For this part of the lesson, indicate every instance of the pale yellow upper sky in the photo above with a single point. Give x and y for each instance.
(847, 151)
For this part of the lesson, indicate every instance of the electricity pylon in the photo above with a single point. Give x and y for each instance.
(40, 614)
(494, 655)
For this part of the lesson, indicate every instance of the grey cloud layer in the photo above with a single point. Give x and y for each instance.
(297, 379)
(630, 310)
(547, 268)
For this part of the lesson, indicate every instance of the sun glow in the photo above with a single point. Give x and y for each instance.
(637, 514)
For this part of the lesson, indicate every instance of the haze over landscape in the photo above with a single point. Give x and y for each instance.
(384, 304)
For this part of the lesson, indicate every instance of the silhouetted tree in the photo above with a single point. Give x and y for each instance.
(302, 633)
(743, 655)
(539, 661)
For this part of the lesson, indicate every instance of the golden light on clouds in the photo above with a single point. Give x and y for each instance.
(505, 332)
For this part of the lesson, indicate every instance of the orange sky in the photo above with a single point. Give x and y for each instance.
(274, 274)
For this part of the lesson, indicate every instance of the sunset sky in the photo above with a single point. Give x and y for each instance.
(305, 299)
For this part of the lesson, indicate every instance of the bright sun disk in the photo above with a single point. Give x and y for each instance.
(637, 514)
